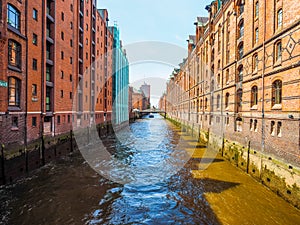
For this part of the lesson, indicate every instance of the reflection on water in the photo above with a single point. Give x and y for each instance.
(70, 192)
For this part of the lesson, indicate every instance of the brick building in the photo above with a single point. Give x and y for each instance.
(240, 86)
(58, 73)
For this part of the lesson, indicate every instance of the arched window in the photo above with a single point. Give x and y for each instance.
(13, 17)
(14, 53)
(205, 103)
(227, 76)
(241, 29)
(240, 50)
(218, 101)
(256, 9)
(14, 91)
(255, 62)
(228, 19)
(201, 104)
(219, 79)
(239, 77)
(254, 95)
(212, 86)
(212, 70)
(278, 51)
(256, 35)
(241, 8)
(239, 96)
(279, 19)
(226, 100)
(277, 92)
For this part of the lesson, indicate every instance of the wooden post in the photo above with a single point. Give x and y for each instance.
(2, 163)
(248, 157)
(43, 150)
(71, 141)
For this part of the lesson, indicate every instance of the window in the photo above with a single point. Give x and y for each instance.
(227, 100)
(254, 96)
(255, 126)
(48, 99)
(279, 19)
(241, 8)
(241, 29)
(48, 73)
(251, 124)
(71, 60)
(219, 39)
(276, 92)
(240, 74)
(14, 91)
(62, 35)
(33, 121)
(35, 14)
(239, 95)
(201, 104)
(256, 35)
(227, 76)
(71, 77)
(62, 74)
(13, 17)
(71, 25)
(58, 119)
(14, 53)
(15, 122)
(205, 103)
(279, 126)
(62, 55)
(34, 90)
(272, 130)
(228, 19)
(71, 95)
(255, 62)
(256, 9)
(278, 51)
(34, 64)
(240, 51)
(62, 16)
(218, 101)
(61, 93)
(69, 118)
(219, 79)
(71, 7)
(34, 39)
(87, 27)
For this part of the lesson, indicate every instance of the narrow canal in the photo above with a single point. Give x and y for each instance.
(68, 191)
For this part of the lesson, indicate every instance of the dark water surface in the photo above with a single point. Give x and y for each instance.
(68, 191)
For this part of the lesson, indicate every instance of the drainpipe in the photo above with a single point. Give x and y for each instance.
(222, 86)
(26, 87)
(42, 85)
(263, 93)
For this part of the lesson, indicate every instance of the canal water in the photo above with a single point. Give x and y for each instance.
(164, 187)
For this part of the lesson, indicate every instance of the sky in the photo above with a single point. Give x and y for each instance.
(148, 30)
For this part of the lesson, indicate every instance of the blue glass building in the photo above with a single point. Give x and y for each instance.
(120, 80)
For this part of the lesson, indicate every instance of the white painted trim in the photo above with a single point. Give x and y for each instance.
(34, 112)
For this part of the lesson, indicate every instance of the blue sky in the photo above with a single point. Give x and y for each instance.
(163, 21)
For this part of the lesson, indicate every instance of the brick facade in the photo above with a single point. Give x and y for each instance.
(240, 85)
(64, 73)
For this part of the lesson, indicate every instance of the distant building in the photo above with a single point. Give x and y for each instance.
(145, 88)
(120, 79)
